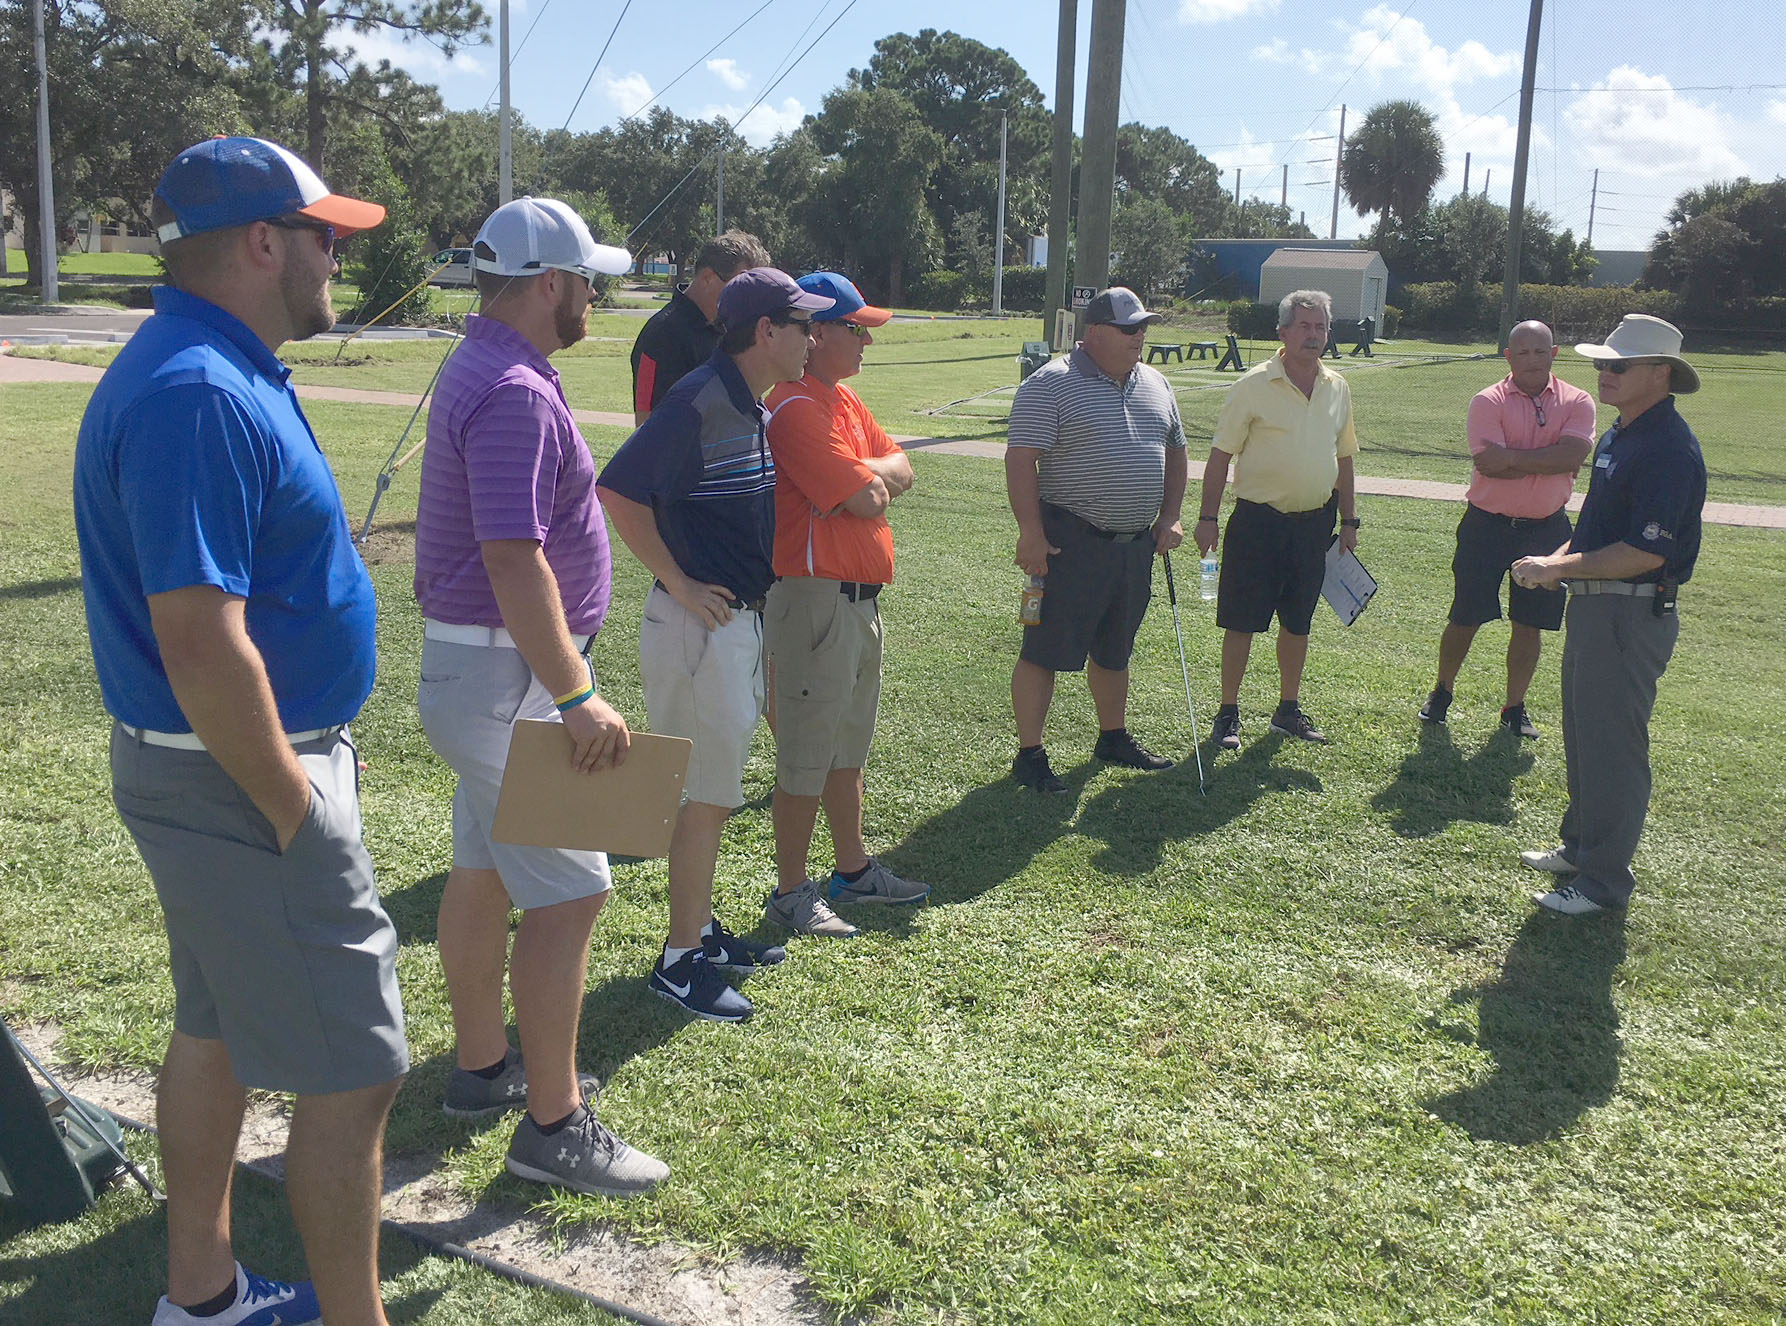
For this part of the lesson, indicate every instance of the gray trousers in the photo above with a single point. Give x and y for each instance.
(1615, 652)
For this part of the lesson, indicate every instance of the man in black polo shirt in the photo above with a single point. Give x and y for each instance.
(683, 334)
(1635, 543)
(1095, 469)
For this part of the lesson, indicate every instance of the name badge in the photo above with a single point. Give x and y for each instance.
(1603, 462)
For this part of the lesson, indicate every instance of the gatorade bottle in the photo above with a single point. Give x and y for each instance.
(1030, 614)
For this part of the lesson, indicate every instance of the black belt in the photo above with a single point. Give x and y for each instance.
(736, 605)
(1513, 522)
(856, 593)
(1081, 523)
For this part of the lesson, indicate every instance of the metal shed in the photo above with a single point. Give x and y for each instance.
(1357, 279)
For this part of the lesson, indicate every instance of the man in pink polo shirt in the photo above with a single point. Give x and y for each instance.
(1529, 434)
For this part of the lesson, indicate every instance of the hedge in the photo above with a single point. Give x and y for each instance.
(1253, 322)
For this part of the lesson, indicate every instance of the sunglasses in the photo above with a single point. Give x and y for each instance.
(1619, 367)
(855, 329)
(1133, 330)
(325, 234)
(789, 320)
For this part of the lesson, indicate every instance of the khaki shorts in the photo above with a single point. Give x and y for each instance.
(827, 653)
(706, 686)
(470, 698)
(286, 957)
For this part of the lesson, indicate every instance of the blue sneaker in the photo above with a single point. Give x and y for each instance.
(740, 957)
(259, 1302)
(694, 985)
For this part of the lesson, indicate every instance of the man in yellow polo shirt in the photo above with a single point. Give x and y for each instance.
(1287, 426)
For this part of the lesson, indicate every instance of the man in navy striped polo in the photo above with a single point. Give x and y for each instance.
(1095, 468)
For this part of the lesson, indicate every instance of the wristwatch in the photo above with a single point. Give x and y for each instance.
(1350, 524)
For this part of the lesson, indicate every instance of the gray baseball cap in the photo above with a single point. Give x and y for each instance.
(1117, 307)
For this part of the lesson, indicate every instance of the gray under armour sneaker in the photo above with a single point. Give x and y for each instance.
(584, 1156)
(805, 913)
(877, 884)
(469, 1096)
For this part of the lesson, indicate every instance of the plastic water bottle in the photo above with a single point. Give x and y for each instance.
(1212, 577)
(1030, 614)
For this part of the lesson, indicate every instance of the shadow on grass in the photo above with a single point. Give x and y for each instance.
(1137, 817)
(40, 589)
(1550, 1023)
(1437, 785)
(109, 1265)
(415, 909)
(984, 840)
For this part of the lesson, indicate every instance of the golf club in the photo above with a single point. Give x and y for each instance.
(1185, 668)
(79, 1108)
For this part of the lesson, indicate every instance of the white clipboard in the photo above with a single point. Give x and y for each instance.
(1348, 587)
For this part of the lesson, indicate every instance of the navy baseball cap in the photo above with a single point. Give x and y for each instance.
(847, 301)
(764, 292)
(225, 182)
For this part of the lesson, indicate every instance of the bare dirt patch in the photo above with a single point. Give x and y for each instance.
(664, 1280)
(393, 541)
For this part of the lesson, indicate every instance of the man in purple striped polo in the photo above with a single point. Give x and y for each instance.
(512, 572)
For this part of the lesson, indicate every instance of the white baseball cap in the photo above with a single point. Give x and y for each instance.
(525, 237)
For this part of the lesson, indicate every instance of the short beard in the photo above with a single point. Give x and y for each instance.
(310, 309)
(570, 327)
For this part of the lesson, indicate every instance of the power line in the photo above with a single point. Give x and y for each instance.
(656, 96)
(596, 66)
(515, 54)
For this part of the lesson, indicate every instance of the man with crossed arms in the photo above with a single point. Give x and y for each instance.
(836, 472)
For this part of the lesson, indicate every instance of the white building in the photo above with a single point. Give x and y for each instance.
(1357, 280)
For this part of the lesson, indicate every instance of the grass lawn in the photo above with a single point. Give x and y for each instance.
(1298, 1051)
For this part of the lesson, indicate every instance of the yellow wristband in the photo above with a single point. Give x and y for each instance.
(582, 692)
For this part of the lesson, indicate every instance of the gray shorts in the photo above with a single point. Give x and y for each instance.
(470, 697)
(287, 958)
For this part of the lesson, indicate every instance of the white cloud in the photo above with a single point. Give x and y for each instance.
(625, 93)
(727, 72)
(1399, 51)
(1776, 111)
(763, 124)
(1221, 11)
(1636, 123)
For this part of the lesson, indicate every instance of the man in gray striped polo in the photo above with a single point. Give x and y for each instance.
(1095, 468)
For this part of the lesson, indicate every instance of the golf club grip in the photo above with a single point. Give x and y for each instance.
(1171, 586)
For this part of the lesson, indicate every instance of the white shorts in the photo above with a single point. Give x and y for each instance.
(469, 698)
(706, 686)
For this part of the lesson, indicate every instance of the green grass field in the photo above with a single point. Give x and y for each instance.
(1300, 1051)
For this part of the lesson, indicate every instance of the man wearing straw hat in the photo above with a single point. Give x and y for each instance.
(1634, 545)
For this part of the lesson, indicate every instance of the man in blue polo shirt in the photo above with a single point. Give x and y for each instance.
(1635, 544)
(692, 494)
(232, 628)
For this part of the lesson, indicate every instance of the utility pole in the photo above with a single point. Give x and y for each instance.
(1237, 186)
(998, 245)
(719, 180)
(1516, 206)
(1487, 175)
(1466, 189)
(1283, 197)
(1097, 168)
(505, 139)
(1339, 156)
(1060, 197)
(1593, 199)
(46, 198)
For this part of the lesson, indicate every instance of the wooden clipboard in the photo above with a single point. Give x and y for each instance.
(629, 811)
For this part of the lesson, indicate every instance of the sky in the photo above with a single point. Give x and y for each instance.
(1658, 97)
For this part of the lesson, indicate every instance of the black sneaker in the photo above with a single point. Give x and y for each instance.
(1030, 769)
(692, 984)
(740, 957)
(1433, 711)
(1290, 721)
(1120, 747)
(1226, 731)
(1514, 718)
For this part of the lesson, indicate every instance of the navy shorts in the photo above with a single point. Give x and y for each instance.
(1273, 562)
(1487, 546)
(1094, 597)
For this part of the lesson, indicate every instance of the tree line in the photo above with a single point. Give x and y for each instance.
(893, 179)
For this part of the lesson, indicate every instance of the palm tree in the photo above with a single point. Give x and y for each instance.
(1393, 162)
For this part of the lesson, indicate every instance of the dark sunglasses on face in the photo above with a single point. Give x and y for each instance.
(789, 320)
(325, 234)
(1618, 367)
(1134, 330)
(855, 329)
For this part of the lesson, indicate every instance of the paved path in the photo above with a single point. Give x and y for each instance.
(15, 370)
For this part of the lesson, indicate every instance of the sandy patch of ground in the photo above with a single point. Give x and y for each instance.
(672, 1283)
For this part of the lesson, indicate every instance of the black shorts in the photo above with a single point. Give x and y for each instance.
(1094, 597)
(1273, 562)
(1487, 545)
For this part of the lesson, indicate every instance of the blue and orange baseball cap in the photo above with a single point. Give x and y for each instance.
(847, 301)
(225, 182)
